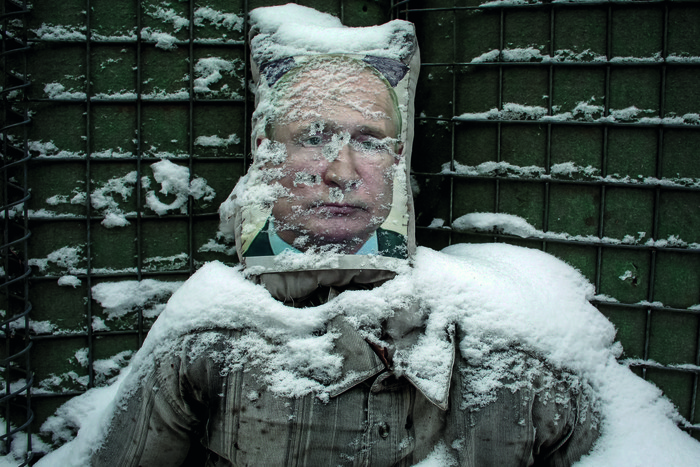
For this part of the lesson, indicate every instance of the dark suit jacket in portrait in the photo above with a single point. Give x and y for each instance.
(391, 244)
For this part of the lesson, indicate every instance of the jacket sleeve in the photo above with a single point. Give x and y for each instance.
(566, 424)
(154, 423)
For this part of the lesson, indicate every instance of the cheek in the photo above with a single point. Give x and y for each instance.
(379, 179)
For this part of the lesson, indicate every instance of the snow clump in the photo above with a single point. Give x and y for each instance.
(175, 180)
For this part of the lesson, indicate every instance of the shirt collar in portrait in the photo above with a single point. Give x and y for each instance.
(370, 247)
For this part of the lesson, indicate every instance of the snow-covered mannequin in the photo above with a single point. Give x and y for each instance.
(350, 346)
(326, 201)
(323, 212)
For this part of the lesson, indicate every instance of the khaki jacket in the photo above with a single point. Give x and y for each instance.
(202, 408)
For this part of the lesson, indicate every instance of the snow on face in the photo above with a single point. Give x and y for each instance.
(338, 123)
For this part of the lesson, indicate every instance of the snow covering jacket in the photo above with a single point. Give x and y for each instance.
(195, 410)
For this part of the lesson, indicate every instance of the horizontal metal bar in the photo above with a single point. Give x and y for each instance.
(55, 337)
(566, 241)
(98, 41)
(113, 275)
(494, 5)
(97, 100)
(551, 119)
(659, 366)
(42, 160)
(502, 178)
(563, 63)
(59, 218)
(645, 306)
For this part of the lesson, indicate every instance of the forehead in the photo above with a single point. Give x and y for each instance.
(336, 94)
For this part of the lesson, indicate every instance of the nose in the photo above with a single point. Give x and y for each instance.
(342, 171)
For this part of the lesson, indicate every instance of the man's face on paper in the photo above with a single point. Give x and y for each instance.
(339, 132)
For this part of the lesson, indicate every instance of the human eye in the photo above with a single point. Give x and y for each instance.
(311, 141)
(372, 144)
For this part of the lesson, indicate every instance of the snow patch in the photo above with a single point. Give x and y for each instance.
(210, 71)
(69, 281)
(120, 298)
(163, 40)
(175, 180)
(67, 258)
(49, 149)
(103, 199)
(290, 30)
(50, 32)
(514, 225)
(506, 223)
(491, 168)
(229, 21)
(217, 141)
(58, 91)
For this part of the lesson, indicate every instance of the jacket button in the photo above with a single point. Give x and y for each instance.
(383, 430)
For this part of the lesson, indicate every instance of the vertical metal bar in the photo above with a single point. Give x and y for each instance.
(453, 126)
(88, 157)
(501, 45)
(190, 144)
(29, 376)
(657, 190)
(13, 248)
(606, 112)
(25, 250)
(662, 114)
(246, 90)
(603, 166)
(548, 150)
(139, 161)
(5, 448)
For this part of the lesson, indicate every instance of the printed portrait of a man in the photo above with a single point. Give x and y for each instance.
(330, 150)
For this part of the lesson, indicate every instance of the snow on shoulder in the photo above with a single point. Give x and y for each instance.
(498, 296)
(518, 295)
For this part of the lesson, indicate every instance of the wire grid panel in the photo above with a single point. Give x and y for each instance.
(15, 307)
(139, 122)
(583, 119)
(119, 90)
(140, 129)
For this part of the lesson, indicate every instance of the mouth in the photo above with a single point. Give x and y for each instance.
(338, 209)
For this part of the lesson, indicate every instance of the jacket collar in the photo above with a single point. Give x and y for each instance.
(360, 362)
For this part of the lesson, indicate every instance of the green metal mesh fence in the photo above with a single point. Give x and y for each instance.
(583, 118)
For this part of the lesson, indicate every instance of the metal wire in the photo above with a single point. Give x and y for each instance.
(88, 218)
(409, 10)
(15, 364)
